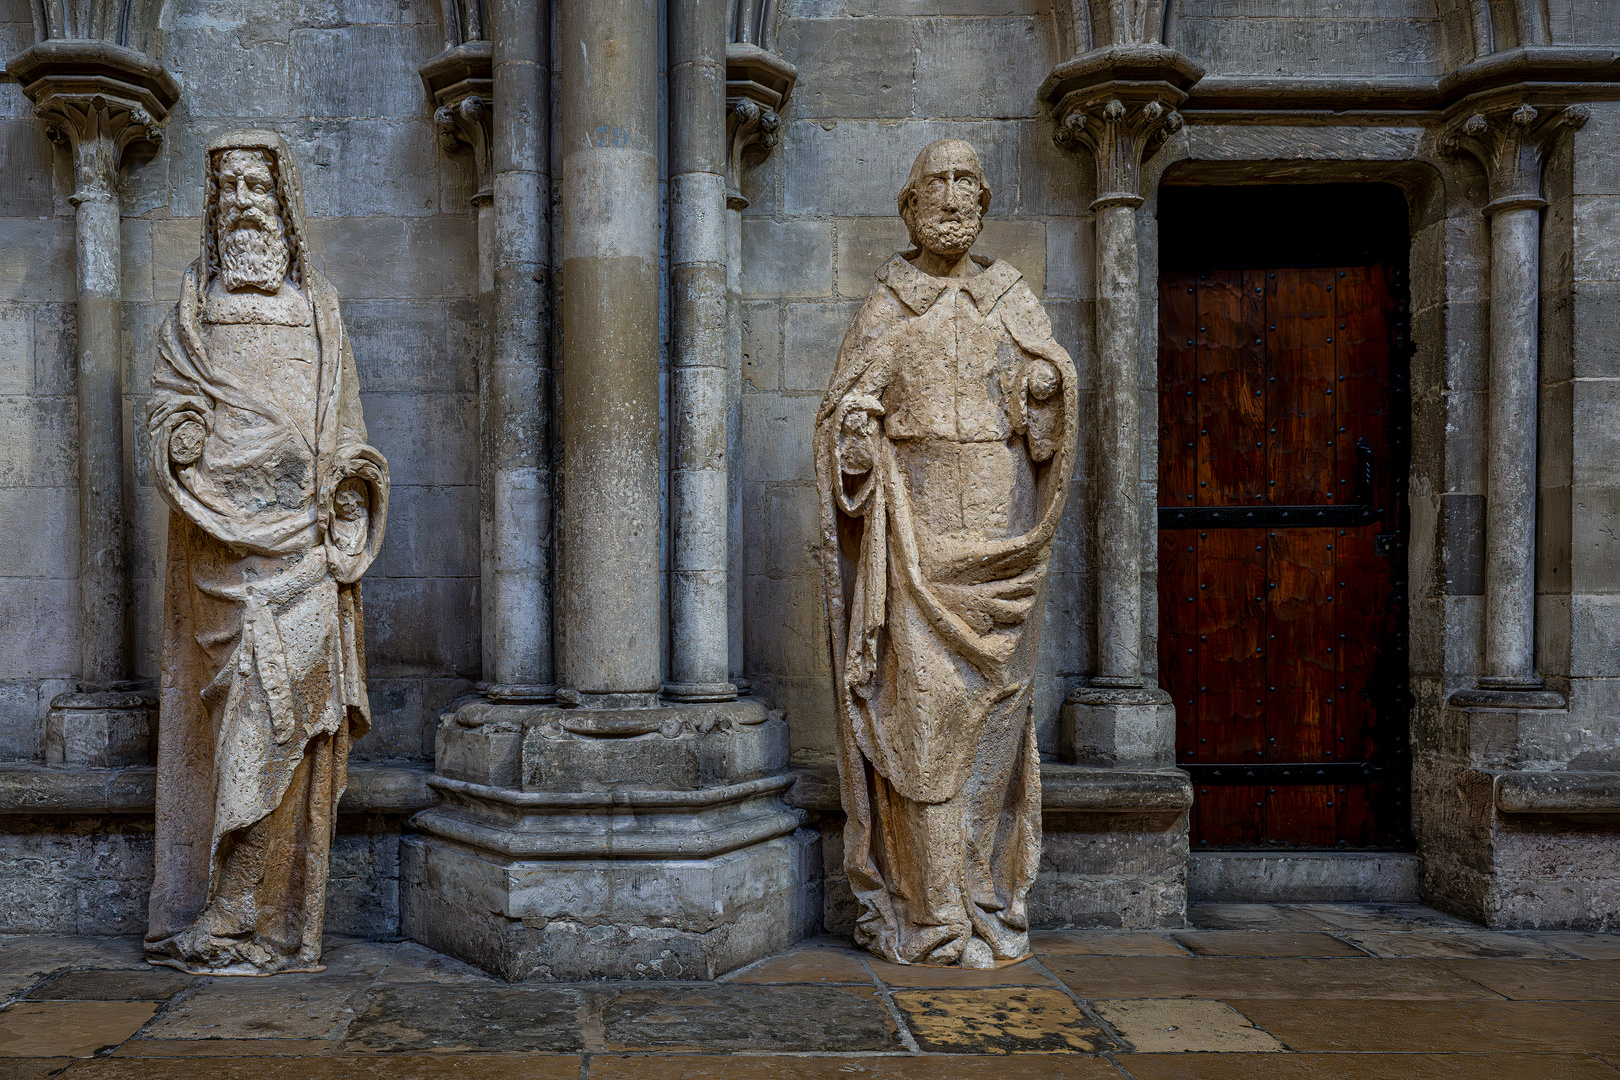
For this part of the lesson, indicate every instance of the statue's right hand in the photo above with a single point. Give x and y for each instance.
(186, 442)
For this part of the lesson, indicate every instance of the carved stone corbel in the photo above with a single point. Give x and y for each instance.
(752, 132)
(1121, 134)
(758, 83)
(462, 86)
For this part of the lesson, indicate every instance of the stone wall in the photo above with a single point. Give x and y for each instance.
(390, 224)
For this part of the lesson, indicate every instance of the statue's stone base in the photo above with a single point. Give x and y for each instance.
(596, 843)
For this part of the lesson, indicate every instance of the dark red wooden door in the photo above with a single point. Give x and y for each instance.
(1282, 435)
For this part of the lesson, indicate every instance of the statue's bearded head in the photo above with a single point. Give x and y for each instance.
(254, 251)
(945, 197)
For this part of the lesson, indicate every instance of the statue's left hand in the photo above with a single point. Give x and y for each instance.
(1044, 379)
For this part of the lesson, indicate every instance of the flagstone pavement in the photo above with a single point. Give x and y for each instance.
(1250, 991)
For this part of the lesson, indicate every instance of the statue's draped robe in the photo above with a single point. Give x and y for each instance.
(263, 651)
(934, 562)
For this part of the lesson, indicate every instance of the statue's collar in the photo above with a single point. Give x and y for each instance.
(918, 290)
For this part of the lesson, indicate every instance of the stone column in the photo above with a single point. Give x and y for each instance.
(1511, 143)
(517, 513)
(100, 98)
(608, 617)
(699, 661)
(1119, 132)
(758, 83)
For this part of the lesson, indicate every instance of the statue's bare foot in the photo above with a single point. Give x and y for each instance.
(977, 954)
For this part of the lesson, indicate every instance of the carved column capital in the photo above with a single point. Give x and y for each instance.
(99, 98)
(1510, 142)
(461, 83)
(1121, 133)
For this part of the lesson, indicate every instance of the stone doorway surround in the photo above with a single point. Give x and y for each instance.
(1504, 768)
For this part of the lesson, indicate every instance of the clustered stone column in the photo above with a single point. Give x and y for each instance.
(557, 816)
(1120, 714)
(102, 98)
(1510, 141)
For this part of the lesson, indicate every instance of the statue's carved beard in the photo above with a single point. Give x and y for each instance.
(253, 251)
(944, 237)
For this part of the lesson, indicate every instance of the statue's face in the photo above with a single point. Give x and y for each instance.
(944, 212)
(252, 243)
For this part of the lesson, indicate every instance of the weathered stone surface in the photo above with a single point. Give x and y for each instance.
(443, 1019)
(255, 741)
(732, 1018)
(934, 653)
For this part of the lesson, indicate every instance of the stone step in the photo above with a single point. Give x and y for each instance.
(1266, 877)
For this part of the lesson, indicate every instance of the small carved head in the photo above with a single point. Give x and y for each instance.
(945, 197)
(349, 501)
(254, 251)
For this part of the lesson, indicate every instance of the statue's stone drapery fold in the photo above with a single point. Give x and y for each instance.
(943, 450)
(277, 506)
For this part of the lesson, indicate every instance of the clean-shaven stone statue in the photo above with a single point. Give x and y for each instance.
(277, 506)
(943, 453)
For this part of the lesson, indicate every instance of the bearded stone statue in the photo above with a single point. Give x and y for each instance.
(943, 453)
(277, 506)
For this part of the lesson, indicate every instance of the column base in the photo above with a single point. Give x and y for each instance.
(106, 729)
(1507, 693)
(1111, 725)
(700, 692)
(594, 843)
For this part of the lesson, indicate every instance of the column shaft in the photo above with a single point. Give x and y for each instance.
(699, 610)
(1119, 465)
(1510, 510)
(103, 639)
(734, 551)
(514, 400)
(608, 618)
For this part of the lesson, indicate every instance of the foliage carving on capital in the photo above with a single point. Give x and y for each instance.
(1510, 143)
(752, 132)
(1120, 135)
(98, 128)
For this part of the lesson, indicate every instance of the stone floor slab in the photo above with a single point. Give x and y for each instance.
(1426, 1027)
(1586, 946)
(463, 1018)
(924, 975)
(1022, 1020)
(1457, 945)
(42, 954)
(1384, 916)
(1180, 1025)
(1544, 980)
(1366, 1067)
(805, 966)
(1263, 943)
(225, 1048)
(33, 1068)
(337, 1067)
(279, 1007)
(1102, 943)
(726, 1018)
(69, 1028)
(405, 962)
(873, 1067)
(1221, 977)
(1256, 917)
(153, 984)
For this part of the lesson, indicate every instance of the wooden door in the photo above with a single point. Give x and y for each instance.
(1282, 471)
